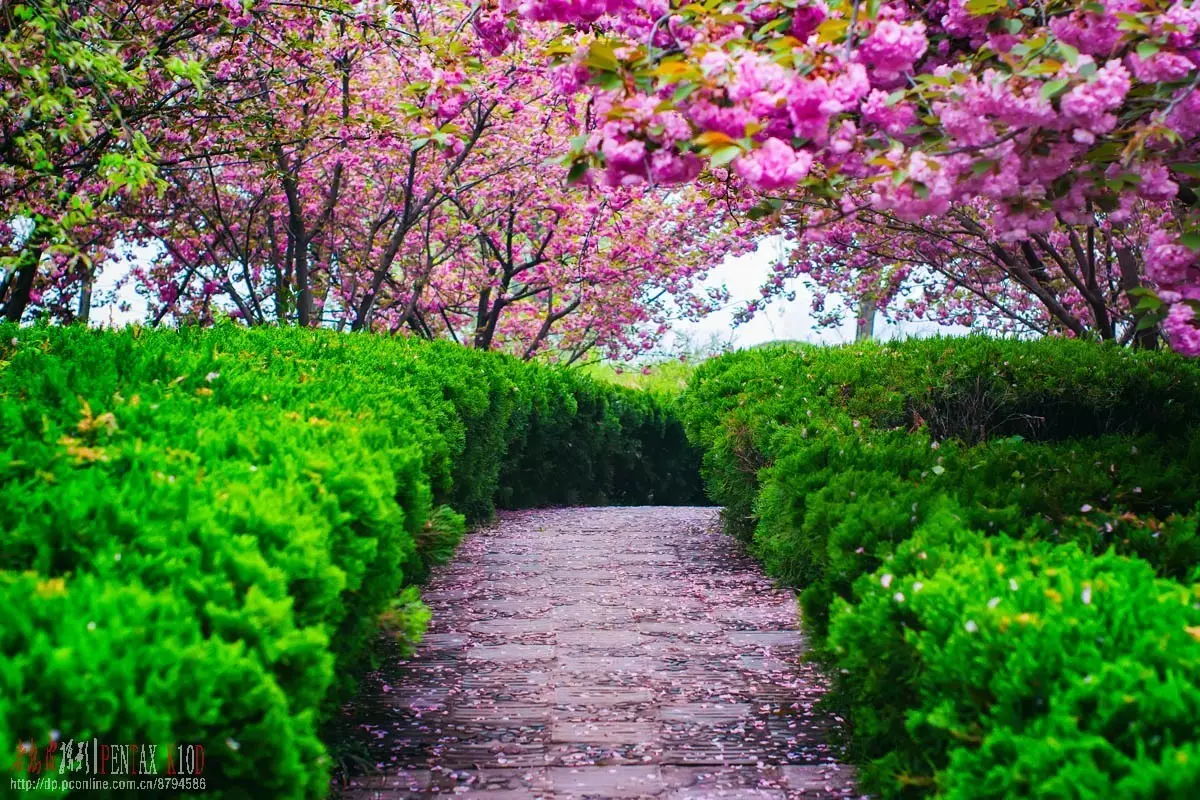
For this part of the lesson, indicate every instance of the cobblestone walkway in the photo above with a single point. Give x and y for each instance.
(601, 653)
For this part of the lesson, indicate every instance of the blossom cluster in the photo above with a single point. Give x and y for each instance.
(1045, 114)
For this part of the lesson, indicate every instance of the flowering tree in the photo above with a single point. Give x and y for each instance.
(103, 100)
(298, 185)
(549, 267)
(1047, 111)
(84, 89)
(1073, 280)
(392, 174)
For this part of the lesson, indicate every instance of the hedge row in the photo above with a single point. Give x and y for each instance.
(878, 479)
(204, 530)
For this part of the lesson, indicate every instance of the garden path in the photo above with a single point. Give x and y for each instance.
(601, 653)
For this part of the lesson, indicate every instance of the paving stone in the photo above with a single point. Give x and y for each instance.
(599, 653)
(511, 652)
(508, 626)
(448, 595)
(593, 695)
(513, 607)
(772, 639)
(585, 638)
(589, 614)
(723, 781)
(644, 558)
(465, 754)
(823, 780)
(664, 602)
(602, 665)
(444, 641)
(506, 714)
(601, 732)
(607, 782)
(685, 628)
(734, 793)
(705, 713)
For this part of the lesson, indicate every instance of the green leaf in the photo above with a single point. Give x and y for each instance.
(1146, 50)
(682, 91)
(1149, 321)
(979, 8)
(723, 156)
(577, 171)
(1070, 53)
(1191, 241)
(938, 469)
(609, 81)
(980, 167)
(1192, 170)
(1148, 305)
(1053, 88)
(601, 56)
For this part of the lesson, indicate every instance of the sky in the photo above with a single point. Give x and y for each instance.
(743, 275)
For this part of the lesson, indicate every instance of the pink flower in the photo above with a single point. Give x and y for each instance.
(1161, 67)
(893, 47)
(1180, 328)
(667, 167)
(494, 30)
(775, 165)
(807, 18)
(894, 120)
(1168, 262)
(1089, 105)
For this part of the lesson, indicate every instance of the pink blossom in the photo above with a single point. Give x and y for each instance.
(1089, 105)
(775, 165)
(1168, 262)
(893, 47)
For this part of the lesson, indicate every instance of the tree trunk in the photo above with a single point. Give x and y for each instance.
(85, 297)
(865, 326)
(1131, 278)
(22, 287)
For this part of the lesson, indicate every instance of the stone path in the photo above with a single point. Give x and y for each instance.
(601, 653)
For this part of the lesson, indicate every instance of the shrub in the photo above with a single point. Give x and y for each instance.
(992, 667)
(840, 466)
(204, 530)
(810, 450)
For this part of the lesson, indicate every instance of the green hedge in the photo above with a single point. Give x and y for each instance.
(828, 461)
(205, 530)
(1006, 668)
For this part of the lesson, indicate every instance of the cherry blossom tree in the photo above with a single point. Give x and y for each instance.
(83, 88)
(552, 268)
(396, 176)
(1049, 112)
(295, 189)
(1075, 280)
(98, 98)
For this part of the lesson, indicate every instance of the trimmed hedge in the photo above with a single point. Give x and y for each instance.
(1005, 668)
(830, 461)
(204, 530)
